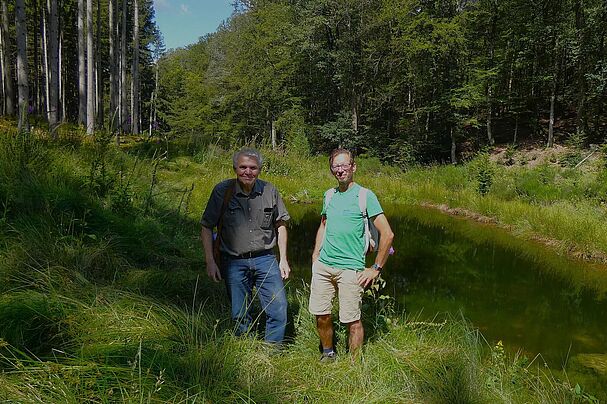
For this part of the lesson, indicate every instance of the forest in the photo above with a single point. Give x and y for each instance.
(404, 80)
(80, 62)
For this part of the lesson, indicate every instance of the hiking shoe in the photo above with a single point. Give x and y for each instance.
(328, 357)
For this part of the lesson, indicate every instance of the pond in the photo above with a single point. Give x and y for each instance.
(549, 308)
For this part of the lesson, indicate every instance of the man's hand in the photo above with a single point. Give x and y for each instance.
(367, 276)
(285, 270)
(213, 271)
(315, 256)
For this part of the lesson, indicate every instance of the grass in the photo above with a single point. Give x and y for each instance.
(104, 297)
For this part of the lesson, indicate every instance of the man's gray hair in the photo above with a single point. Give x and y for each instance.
(247, 152)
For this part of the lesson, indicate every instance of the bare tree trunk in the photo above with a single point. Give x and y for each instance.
(582, 85)
(37, 102)
(22, 73)
(53, 49)
(515, 129)
(273, 132)
(490, 115)
(354, 108)
(135, 71)
(113, 86)
(453, 148)
(153, 103)
(47, 75)
(90, 70)
(123, 99)
(3, 103)
(550, 142)
(61, 79)
(9, 92)
(81, 66)
(99, 71)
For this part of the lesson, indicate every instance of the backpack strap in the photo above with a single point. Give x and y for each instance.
(227, 196)
(328, 196)
(362, 205)
(362, 201)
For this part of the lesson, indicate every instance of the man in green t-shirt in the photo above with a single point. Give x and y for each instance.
(338, 260)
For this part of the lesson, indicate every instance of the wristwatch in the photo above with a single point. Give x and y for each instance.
(376, 267)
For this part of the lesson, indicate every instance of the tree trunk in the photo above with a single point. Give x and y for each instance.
(550, 142)
(90, 70)
(490, 115)
(582, 85)
(153, 102)
(113, 87)
(9, 92)
(123, 99)
(53, 49)
(273, 132)
(61, 79)
(22, 71)
(354, 107)
(453, 148)
(99, 71)
(45, 54)
(3, 102)
(135, 71)
(37, 101)
(81, 66)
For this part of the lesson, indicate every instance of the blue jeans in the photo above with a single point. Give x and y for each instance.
(240, 275)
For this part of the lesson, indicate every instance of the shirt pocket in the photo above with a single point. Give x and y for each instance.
(267, 218)
(233, 217)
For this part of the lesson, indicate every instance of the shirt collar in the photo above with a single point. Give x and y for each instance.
(257, 188)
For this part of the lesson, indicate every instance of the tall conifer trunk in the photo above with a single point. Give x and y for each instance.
(9, 93)
(53, 49)
(123, 93)
(135, 71)
(22, 70)
(81, 66)
(90, 70)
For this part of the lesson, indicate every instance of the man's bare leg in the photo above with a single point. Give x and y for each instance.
(356, 334)
(324, 325)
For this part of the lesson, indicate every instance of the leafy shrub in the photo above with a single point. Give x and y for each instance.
(483, 171)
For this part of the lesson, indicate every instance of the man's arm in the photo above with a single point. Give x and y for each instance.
(207, 244)
(320, 234)
(283, 263)
(386, 236)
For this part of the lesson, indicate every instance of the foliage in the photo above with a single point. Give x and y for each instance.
(483, 172)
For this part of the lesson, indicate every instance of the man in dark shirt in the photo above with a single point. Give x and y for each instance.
(251, 220)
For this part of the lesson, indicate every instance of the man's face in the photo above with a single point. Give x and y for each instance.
(343, 169)
(247, 170)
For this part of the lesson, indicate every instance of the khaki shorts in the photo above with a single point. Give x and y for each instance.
(325, 282)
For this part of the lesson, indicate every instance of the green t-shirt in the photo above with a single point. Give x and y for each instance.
(344, 243)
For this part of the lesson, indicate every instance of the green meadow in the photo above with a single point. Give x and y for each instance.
(104, 295)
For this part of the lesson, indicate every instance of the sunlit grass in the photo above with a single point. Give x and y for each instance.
(104, 296)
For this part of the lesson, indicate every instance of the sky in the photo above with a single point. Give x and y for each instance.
(182, 22)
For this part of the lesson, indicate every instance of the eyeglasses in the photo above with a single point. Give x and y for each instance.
(345, 166)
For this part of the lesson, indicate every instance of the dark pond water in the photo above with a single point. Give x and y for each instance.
(533, 300)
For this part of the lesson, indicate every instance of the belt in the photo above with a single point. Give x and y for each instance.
(253, 254)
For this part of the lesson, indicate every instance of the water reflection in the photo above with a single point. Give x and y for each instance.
(512, 290)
